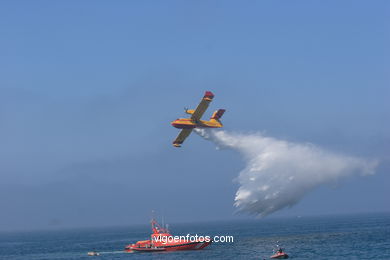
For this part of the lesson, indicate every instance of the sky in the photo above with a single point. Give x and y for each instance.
(88, 90)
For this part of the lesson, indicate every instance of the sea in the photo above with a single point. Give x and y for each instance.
(361, 236)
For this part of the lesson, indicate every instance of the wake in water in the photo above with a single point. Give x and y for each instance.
(279, 173)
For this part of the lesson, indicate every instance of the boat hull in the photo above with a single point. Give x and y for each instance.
(280, 256)
(187, 246)
(169, 247)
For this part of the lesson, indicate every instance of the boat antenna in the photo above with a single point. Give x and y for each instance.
(162, 220)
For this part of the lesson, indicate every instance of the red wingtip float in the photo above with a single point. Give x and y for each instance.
(188, 124)
(157, 243)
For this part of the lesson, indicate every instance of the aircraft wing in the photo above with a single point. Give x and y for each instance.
(203, 105)
(181, 137)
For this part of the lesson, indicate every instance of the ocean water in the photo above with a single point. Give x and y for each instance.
(330, 237)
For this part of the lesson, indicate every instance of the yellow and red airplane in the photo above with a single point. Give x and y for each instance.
(188, 124)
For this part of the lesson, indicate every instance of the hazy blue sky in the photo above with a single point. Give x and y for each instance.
(88, 90)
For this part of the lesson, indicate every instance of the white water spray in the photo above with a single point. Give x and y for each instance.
(279, 173)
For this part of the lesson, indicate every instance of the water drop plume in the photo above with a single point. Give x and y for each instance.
(279, 173)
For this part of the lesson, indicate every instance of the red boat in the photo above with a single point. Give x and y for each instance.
(280, 254)
(162, 240)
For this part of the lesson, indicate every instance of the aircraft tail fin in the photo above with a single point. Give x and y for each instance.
(218, 114)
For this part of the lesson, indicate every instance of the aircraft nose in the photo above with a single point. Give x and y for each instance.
(175, 124)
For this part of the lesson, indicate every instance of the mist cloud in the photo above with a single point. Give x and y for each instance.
(278, 173)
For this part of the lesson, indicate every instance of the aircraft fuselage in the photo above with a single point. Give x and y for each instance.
(188, 123)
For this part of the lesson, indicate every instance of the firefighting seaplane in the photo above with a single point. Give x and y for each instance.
(188, 124)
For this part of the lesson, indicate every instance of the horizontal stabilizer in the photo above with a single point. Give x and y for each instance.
(189, 111)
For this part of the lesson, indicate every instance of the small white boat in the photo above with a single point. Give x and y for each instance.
(93, 253)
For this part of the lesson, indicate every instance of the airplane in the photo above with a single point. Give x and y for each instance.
(188, 124)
